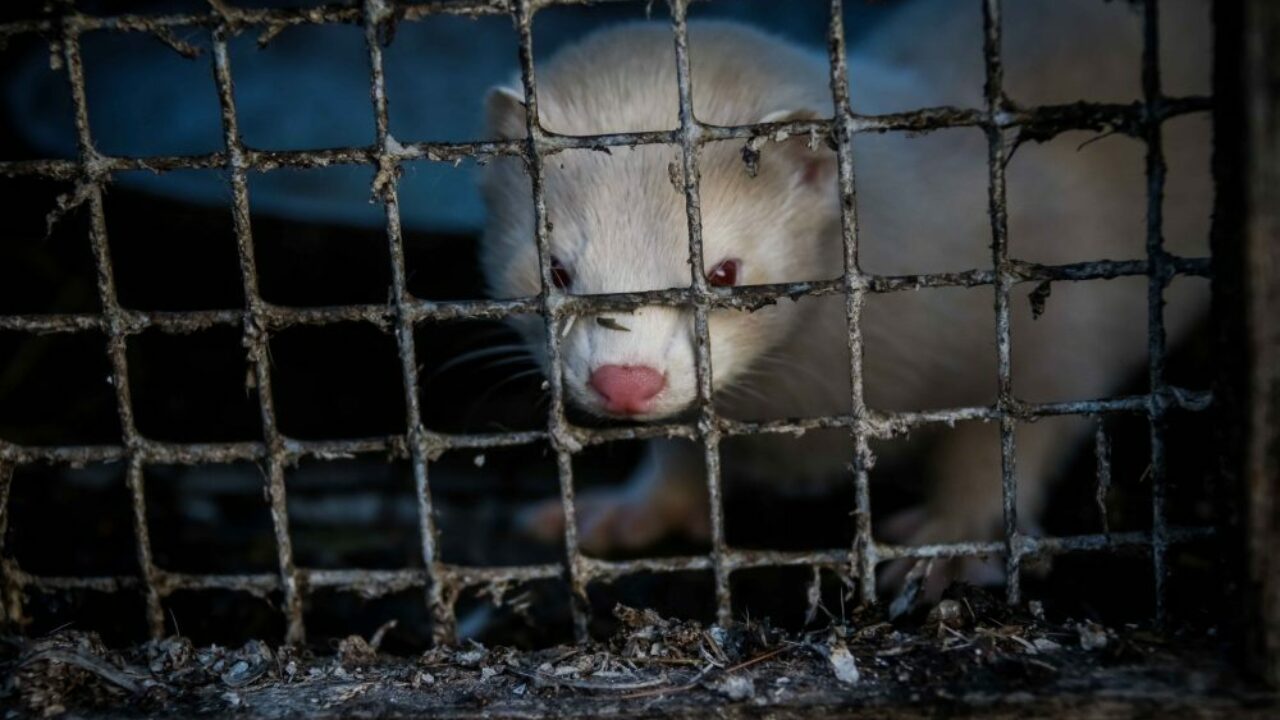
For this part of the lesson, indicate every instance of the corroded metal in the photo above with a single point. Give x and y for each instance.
(558, 429)
(1157, 281)
(376, 13)
(1006, 127)
(855, 287)
(699, 294)
(997, 160)
(256, 339)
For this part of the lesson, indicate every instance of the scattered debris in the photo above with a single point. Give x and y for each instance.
(970, 643)
(843, 664)
(1038, 297)
(169, 655)
(911, 587)
(611, 324)
(243, 673)
(68, 670)
(1092, 635)
(1036, 608)
(947, 612)
(1045, 645)
(354, 651)
(736, 687)
(472, 657)
(675, 174)
(751, 154)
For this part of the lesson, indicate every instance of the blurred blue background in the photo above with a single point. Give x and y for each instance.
(309, 88)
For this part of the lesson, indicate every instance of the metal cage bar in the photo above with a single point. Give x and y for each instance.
(256, 339)
(443, 582)
(275, 317)
(699, 295)
(10, 586)
(116, 341)
(386, 182)
(1246, 255)
(1158, 279)
(559, 432)
(1102, 471)
(855, 287)
(997, 158)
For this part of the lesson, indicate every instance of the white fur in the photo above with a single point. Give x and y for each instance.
(619, 225)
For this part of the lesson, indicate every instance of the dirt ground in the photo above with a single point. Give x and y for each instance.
(968, 655)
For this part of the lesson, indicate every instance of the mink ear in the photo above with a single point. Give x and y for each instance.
(504, 113)
(815, 166)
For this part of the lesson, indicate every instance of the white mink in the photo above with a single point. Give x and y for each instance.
(619, 225)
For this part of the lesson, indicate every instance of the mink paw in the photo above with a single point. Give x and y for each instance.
(918, 526)
(619, 519)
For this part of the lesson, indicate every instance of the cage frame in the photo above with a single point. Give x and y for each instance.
(1245, 246)
(441, 582)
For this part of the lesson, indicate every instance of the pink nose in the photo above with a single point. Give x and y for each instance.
(627, 389)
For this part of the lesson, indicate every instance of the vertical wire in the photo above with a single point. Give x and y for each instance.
(1157, 279)
(700, 295)
(559, 431)
(11, 586)
(855, 296)
(386, 187)
(113, 316)
(256, 339)
(1102, 460)
(1004, 279)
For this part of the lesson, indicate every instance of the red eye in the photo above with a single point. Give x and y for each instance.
(560, 274)
(724, 274)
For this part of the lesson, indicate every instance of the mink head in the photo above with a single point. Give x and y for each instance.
(618, 220)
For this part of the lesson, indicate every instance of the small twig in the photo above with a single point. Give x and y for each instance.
(572, 652)
(758, 659)
(87, 662)
(1146, 473)
(1040, 663)
(720, 658)
(673, 689)
(664, 661)
(376, 641)
(1007, 636)
(912, 584)
(697, 679)
(1096, 138)
(60, 628)
(958, 646)
(814, 597)
(872, 629)
(541, 679)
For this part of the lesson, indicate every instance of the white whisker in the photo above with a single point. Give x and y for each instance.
(525, 358)
(508, 349)
(479, 402)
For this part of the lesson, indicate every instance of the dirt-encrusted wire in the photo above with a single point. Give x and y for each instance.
(1004, 124)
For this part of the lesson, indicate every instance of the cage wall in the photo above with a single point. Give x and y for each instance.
(424, 457)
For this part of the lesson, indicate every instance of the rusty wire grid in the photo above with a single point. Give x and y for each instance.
(1004, 124)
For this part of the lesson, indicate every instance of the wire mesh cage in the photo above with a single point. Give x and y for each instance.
(442, 584)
